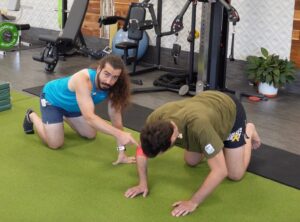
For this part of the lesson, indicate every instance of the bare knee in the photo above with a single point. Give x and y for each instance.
(89, 135)
(55, 144)
(235, 176)
(192, 161)
(192, 158)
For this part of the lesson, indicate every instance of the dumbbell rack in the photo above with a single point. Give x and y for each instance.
(5, 102)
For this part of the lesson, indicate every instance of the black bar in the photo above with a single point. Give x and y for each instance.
(158, 38)
(223, 50)
(214, 49)
(64, 12)
(183, 10)
(192, 44)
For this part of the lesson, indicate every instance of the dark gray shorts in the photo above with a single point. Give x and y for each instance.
(53, 114)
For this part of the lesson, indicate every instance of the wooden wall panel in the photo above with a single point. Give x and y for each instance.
(90, 25)
(295, 50)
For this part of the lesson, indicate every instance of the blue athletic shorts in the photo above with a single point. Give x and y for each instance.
(238, 133)
(53, 114)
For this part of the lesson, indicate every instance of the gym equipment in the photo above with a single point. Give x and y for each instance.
(136, 23)
(212, 61)
(13, 5)
(11, 32)
(96, 54)
(233, 14)
(213, 49)
(177, 78)
(122, 36)
(9, 35)
(107, 8)
(231, 56)
(69, 40)
(62, 12)
(176, 49)
(135, 26)
(5, 102)
(4, 85)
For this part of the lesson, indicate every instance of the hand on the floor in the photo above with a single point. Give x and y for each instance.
(137, 190)
(183, 208)
(123, 158)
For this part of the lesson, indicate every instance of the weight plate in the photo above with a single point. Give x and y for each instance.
(9, 35)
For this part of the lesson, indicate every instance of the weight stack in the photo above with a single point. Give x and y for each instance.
(5, 102)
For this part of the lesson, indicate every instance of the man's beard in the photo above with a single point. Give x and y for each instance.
(104, 86)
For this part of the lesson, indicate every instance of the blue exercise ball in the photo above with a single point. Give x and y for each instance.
(122, 36)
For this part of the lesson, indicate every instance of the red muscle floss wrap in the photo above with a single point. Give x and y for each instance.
(139, 151)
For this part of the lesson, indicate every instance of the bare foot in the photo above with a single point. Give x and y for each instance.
(252, 133)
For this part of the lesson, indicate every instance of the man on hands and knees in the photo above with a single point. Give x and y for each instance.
(212, 125)
(72, 99)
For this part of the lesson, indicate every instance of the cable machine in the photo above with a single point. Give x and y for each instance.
(188, 76)
(212, 61)
(216, 15)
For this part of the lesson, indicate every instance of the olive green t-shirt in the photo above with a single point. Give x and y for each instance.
(204, 120)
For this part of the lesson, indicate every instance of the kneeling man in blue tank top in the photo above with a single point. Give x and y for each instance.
(72, 99)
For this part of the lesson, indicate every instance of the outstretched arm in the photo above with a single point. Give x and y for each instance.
(116, 120)
(218, 172)
(81, 85)
(142, 187)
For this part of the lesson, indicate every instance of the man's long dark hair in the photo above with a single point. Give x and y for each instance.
(156, 137)
(119, 93)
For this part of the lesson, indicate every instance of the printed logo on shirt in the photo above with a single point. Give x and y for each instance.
(235, 136)
(209, 149)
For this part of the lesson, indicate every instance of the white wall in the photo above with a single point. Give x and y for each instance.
(38, 13)
(264, 23)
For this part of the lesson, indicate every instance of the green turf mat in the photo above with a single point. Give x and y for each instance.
(17, 96)
(269, 162)
(79, 183)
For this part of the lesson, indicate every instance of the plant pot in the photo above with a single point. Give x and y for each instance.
(267, 89)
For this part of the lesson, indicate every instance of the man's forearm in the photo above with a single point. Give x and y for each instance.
(101, 125)
(142, 169)
(210, 183)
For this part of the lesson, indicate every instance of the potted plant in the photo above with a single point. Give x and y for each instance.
(270, 72)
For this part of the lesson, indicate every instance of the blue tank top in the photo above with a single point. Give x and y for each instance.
(58, 94)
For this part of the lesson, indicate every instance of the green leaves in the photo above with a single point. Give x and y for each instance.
(264, 52)
(270, 68)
